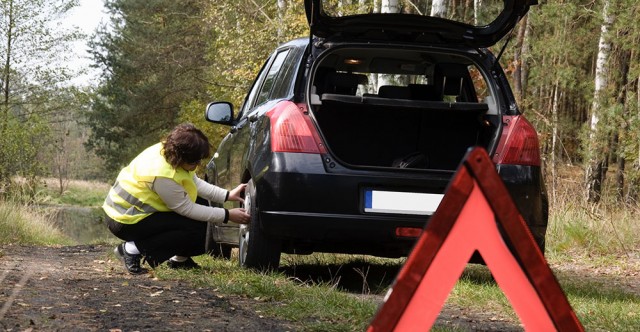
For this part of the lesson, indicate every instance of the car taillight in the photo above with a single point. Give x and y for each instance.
(292, 130)
(518, 144)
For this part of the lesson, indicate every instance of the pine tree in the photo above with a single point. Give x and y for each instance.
(153, 57)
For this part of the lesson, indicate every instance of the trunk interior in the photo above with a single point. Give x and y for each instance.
(373, 131)
(406, 108)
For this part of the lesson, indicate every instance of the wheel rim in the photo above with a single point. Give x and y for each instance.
(244, 233)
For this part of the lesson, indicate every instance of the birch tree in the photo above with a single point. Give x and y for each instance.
(597, 156)
(439, 8)
(520, 53)
(387, 7)
(390, 6)
(476, 10)
(282, 26)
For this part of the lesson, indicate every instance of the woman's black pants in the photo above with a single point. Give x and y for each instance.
(162, 235)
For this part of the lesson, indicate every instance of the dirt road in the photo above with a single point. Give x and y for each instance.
(83, 288)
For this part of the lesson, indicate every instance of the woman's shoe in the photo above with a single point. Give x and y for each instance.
(186, 265)
(131, 262)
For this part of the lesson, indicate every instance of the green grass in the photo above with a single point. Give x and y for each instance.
(77, 193)
(34, 223)
(309, 305)
(599, 303)
(23, 225)
(598, 230)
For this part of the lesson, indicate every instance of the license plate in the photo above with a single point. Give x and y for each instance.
(378, 201)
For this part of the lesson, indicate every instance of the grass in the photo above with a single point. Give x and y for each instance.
(23, 225)
(35, 223)
(77, 193)
(603, 229)
(316, 306)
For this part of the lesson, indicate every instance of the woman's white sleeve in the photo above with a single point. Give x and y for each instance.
(177, 199)
(208, 191)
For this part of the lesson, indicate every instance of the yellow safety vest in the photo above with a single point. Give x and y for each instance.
(131, 198)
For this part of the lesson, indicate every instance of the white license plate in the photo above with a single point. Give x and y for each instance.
(378, 201)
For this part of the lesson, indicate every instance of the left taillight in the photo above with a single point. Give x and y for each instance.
(519, 143)
(292, 130)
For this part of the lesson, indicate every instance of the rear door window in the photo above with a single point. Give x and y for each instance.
(475, 13)
(270, 79)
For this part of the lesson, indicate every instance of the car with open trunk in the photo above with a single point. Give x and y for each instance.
(348, 138)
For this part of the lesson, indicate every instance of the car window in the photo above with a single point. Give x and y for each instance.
(408, 75)
(460, 11)
(285, 78)
(479, 83)
(248, 102)
(270, 79)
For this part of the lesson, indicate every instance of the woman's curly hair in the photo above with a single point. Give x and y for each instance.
(185, 144)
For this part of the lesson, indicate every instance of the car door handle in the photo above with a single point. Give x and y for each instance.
(253, 118)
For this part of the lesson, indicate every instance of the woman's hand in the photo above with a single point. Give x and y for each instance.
(235, 193)
(239, 216)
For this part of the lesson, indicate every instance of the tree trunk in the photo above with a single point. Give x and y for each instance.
(517, 59)
(439, 8)
(524, 76)
(597, 152)
(376, 6)
(625, 59)
(634, 179)
(6, 75)
(554, 139)
(387, 6)
(476, 8)
(282, 10)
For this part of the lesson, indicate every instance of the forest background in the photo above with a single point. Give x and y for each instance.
(573, 64)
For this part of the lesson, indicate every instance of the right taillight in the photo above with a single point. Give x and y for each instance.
(292, 130)
(518, 144)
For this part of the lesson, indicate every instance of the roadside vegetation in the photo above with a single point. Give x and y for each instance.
(28, 217)
(20, 224)
(77, 193)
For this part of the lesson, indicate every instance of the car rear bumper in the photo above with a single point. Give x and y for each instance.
(375, 235)
(312, 207)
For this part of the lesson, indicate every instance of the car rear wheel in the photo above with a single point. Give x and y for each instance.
(256, 249)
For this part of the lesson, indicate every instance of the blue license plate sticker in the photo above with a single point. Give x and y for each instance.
(380, 201)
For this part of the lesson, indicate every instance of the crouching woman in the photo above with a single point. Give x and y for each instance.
(158, 206)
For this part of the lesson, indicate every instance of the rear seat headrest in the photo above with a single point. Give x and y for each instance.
(344, 83)
(394, 92)
(452, 86)
(424, 92)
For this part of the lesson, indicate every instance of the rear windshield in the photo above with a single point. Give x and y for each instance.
(472, 12)
(400, 74)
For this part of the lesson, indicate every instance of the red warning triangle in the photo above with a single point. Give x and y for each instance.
(467, 220)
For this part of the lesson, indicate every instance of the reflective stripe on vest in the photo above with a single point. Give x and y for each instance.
(137, 207)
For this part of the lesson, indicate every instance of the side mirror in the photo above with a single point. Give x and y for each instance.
(219, 112)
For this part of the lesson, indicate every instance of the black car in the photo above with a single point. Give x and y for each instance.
(348, 139)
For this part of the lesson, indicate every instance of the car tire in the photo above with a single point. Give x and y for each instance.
(256, 249)
(215, 249)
